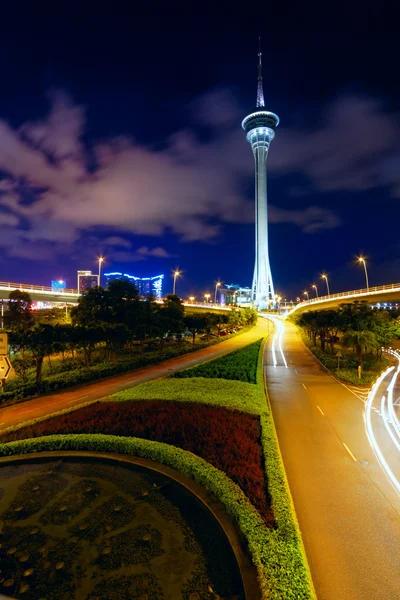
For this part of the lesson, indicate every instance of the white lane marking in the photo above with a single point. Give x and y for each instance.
(350, 452)
(321, 411)
(304, 386)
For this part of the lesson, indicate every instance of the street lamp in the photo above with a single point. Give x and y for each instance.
(362, 260)
(298, 299)
(177, 273)
(315, 288)
(216, 288)
(306, 294)
(324, 276)
(191, 298)
(101, 260)
(207, 297)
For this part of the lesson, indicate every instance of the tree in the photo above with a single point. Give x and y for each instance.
(19, 317)
(173, 313)
(194, 322)
(40, 341)
(92, 309)
(360, 341)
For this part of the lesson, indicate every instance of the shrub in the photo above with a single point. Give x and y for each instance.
(217, 392)
(227, 439)
(239, 365)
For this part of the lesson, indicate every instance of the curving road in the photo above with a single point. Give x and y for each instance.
(46, 405)
(348, 510)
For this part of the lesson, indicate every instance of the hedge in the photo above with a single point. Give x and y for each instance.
(271, 556)
(235, 395)
(240, 365)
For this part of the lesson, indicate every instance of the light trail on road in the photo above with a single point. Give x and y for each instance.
(277, 339)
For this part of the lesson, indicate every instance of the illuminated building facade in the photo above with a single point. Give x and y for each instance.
(235, 295)
(86, 281)
(146, 286)
(260, 131)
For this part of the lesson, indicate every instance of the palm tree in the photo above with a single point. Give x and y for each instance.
(359, 340)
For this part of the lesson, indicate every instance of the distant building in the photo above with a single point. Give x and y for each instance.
(58, 285)
(146, 286)
(235, 294)
(86, 281)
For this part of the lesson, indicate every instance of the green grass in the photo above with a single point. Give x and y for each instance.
(240, 365)
(217, 392)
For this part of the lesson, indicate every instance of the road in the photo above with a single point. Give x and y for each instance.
(46, 405)
(348, 511)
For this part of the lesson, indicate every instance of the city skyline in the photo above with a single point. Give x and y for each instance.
(85, 184)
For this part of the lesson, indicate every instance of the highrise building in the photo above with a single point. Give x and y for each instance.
(146, 286)
(260, 131)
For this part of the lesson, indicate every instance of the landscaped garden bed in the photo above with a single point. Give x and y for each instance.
(225, 438)
(215, 430)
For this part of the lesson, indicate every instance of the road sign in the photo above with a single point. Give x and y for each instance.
(5, 367)
(3, 343)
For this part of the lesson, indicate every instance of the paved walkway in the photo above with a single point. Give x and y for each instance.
(46, 405)
(348, 512)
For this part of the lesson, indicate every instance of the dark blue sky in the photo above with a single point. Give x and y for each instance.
(121, 135)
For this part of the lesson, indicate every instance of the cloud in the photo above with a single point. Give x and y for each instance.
(59, 189)
(311, 219)
(155, 252)
(117, 241)
(354, 148)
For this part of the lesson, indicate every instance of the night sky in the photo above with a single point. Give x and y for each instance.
(121, 135)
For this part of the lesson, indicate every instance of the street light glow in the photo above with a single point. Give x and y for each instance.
(176, 274)
(361, 259)
(325, 276)
(315, 288)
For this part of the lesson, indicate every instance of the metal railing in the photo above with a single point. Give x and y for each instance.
(371, 291)
(25, 287)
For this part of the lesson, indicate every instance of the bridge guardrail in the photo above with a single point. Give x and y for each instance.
(352, 293)
(36, 288)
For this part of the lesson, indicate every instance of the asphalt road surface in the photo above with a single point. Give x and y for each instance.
(348, 511)
(46, 405)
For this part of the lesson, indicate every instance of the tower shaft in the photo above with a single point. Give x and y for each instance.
(262, 286)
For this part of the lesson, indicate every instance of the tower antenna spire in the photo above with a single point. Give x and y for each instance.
(260, 91)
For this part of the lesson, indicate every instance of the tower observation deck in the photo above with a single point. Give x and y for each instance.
(260, 131)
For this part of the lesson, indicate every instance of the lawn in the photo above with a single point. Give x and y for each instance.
(240, 365)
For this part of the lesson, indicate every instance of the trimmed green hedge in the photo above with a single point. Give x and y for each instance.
(279, 575)
(217, 392)
(240, 365)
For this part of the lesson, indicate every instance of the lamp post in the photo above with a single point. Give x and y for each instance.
(324, 276)
(315, 288)
(216, 289)
(101, 260)
(207, 297)
(306, 294)
(176, 274)
(362, 260)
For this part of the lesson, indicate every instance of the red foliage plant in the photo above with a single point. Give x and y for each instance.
(229, 440)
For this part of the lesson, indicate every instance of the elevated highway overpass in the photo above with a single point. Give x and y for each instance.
(381, 293)
(39, 293)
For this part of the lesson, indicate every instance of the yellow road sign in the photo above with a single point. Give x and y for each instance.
(5, 367)
(3, 343)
